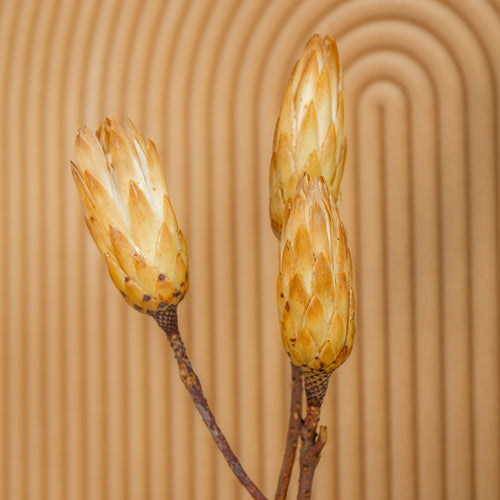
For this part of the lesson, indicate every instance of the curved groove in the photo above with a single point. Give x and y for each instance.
(159, 377)
(245, 402)
(11, 380)
(167, 75)
(222, 273)
(242, 92)
(496, 6)
(394, 10)
(67, 316)
(185, 49)
(412, 466)
(114, 58)
(133, 46)
(246, 232)
(62, 123)
(51, 341)
(200, 71)
(399, 78)
(170, 28)
(221, 270)
(257, 46)
(487, 482)
(407, 466)
(17, 438)
(383, 470)
(430, 76)
(196, 176)
(63, 44)
(123, 71)
(200, 84)
(226, 219)
(150, 23)
(370, 82)
(102, 299)
(76, 321)
(487, 49)
(159, 70)
(65, 40)
(6, 35)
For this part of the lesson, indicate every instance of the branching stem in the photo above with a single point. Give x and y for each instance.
(167, 320)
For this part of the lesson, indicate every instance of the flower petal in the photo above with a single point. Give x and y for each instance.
(105, 205)
(337, 332)
(142, 221)
(307, 137)
(306, 346)
(125, 251)
(315, 321)
(90, 157)
(166, 250)
(99, 234)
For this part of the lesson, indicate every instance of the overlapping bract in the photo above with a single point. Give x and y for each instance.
(315, 284)
(129, 215)
(309, 134)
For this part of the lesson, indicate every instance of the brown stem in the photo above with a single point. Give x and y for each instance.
(294, 426)
(167, 320)
(310, 452)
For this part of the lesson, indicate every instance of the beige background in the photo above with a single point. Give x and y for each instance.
(90, 403)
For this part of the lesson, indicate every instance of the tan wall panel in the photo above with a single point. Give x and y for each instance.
(91, 407)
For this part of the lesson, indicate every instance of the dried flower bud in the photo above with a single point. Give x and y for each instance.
(309, 134)
(129, 215)
(315, 286)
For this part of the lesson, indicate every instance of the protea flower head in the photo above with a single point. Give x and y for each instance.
(129, 215)
(309, 133)
(315, 287)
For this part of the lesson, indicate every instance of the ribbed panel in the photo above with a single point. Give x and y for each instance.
(91, 407)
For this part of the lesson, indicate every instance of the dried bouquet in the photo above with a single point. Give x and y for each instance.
(129, 215)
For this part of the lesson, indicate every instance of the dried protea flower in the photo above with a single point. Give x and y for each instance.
(315, 287)
(309, 134)
(129, 215)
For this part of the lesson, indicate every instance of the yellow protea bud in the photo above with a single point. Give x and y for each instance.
(309, 134)
(128, 213)
(315, 286)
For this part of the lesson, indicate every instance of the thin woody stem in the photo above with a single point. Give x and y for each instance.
(167, 320)
(310, 452)
(294, 427)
